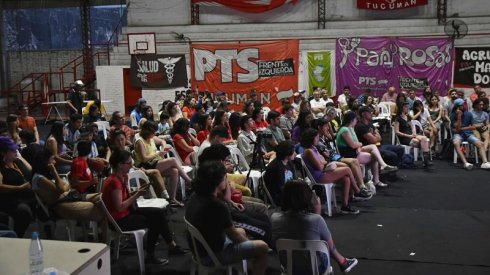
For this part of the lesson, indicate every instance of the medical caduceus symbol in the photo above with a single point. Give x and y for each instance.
(169, 64)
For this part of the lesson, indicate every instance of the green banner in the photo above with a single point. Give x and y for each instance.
(319, 71)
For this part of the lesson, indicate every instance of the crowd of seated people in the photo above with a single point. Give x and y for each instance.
(335, 141)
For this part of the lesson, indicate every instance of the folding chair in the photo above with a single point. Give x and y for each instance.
(329, 188)
(187, 169)
(138, 236)
(150, 199)
(197, 259)
(240, 161)
(312, 246)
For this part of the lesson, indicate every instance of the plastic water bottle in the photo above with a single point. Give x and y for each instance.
(36, 262)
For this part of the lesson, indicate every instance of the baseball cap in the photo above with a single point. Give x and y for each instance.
(141, 101)
(8, 144)
(79, 83)
(458, 102)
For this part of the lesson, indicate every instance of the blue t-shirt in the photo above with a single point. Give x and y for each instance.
(466, 120)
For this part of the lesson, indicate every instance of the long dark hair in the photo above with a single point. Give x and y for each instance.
(235, 124)
(202, 122)
(218, 118)
(301, 121)
(296, 196)
(57, 132)
(181, 126)
(40, 164)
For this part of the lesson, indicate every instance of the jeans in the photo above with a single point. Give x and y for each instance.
(392, 154)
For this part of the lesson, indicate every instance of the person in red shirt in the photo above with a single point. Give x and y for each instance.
(120, 204)
(221, 118)
(258, 117)
(81, 178)
(189, 108)
(27, 122)
(205, 122)
(184, 142)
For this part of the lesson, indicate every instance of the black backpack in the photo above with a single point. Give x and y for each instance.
(447, 150)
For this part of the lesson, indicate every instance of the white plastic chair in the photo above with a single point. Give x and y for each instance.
(150, 199)
(104, 127)
(241, 162)
(53, 222)
(312, 246)
(467, 148)
(196, 237)
(329, 188)
(187, 169)
(138, 236)
(408, 148)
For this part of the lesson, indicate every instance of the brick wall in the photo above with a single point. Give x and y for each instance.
(22, 63)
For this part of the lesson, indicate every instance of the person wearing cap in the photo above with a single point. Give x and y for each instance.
(75, 98)
(407, 133)
(16, 196)
(462, 126)
(135, 115)
(368, 134)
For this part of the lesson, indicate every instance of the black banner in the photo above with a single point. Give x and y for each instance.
(472, 67)
(158, 71)
(413, 83)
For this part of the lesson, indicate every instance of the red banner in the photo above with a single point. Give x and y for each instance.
(271, 68)
(250, 6)
(386, 5)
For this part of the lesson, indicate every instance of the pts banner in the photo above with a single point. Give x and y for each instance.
(380, 62)
(472, 67)
(271, 68)
(158, 71)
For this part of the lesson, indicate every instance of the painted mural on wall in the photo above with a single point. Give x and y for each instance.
(158, 71)
(380, 62)
(472, 66)
(270, 67)
(56, 28)
(387, 5)
(250, 6)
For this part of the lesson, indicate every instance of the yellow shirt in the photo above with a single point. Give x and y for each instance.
(87, 107)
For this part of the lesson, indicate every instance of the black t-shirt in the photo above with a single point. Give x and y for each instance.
(362, 129)
(76, 100)
(275, 178)
(211, 217)
(404, 127)
(30, 151)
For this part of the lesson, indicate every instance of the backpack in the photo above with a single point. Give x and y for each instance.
(447, 150)
(408, 162)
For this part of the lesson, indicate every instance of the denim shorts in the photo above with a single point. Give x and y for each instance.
(234, 252)
(470, 138)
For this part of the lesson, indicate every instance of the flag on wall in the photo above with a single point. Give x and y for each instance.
(472, 67)
(387, 5)
(250, 6)
(271, 68)
(319, 71)
(158, 71)
(378, 63)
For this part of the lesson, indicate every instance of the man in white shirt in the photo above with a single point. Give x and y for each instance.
(317, 104)
(342, 100)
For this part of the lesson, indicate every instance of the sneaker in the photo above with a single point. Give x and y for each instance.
(362, 196)
(349, 210)
(175, 203)
(380, 184)
(156, 260)
(485, 165)
(372, 188)
(468, 166)
(348, 265)
(389, 169)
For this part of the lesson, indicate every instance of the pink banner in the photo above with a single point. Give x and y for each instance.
(378, 63)
(250, 6)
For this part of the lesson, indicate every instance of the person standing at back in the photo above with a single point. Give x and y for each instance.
(75, 98)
